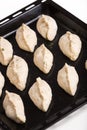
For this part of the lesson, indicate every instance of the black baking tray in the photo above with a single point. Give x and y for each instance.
(62, 104)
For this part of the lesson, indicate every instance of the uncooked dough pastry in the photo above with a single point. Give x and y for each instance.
(47, 27)
(70, 44)
(2, 82)
(26, 38)
(41, 94)
(86, 64)
(68, 79)
(43, 59)
(14, 108)
(6, 51)
(17, 72)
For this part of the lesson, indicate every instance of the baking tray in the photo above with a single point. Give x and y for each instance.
(62, 104)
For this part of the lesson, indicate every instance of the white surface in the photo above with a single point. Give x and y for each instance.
(78, 119)
(76, 7)
(8, 7)
(75, 121)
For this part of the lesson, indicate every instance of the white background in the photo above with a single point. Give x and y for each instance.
(78, 119)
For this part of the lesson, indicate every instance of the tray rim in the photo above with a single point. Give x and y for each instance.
(35, 3)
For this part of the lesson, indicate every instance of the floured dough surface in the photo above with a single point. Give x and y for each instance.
(68, 79)
(17, 72)
(14, 108)
(86, 64)
(26, 38)
(41, 94)
(47, 27)
(6, 51)
(2, 82)
(70, 44)
(43, 59)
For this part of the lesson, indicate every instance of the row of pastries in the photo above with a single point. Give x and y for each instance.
(17, 70)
